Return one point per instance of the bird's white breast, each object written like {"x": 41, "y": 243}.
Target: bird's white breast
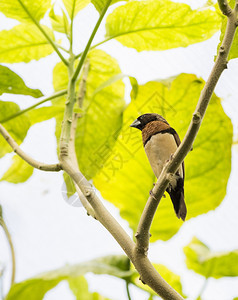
{"x": 159, "y": 149}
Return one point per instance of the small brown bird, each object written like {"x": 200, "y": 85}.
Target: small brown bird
{"x": 160, "y": 142}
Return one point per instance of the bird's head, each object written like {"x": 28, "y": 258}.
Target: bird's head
{"x": 144, "y": 119}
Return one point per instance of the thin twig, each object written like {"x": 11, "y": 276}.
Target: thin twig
{"x": 85, "y": 52}
{"x": 128, "y": 291}
{"x": 220, "y": 65}
{"x": 21, "y": 112}
{"x": 34, "y": 163}
{"x": 9, "y": 239}
{"x": 48, "y": 38}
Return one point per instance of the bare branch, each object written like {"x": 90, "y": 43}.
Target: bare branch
{"x": 142, "y": 234}
{"x": 34, "y": 163}
{"x": 73, "y": 159}
{"x": 148, "y": 273}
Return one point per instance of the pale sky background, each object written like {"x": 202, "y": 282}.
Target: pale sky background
{"x": 48, "y": 233}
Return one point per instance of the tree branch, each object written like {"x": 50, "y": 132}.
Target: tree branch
{"x": 224, "y": 7}
{"x": 34, "y": 163}
{"x": 48, "y": 38}
{"x": 171, "y": 167}
{"x": 74, "y": 161}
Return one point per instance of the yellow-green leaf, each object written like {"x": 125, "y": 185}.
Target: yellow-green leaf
{"x": 15, "y": 9}
{"x": 79, "y": 287}
{"x": 74, "y": 6}
{"x": 203, "y": 261}
{"x": 102, "y": 111}
{"x": 24, "y": 43}
{"x": 59, "y": 23}
{"x": 11, "y": 83}
{"x": 18, "y": 172}
{"x": 17, "y": 127}
{"x": 207, "y": 167}
{"x": 160, "y": 25}
{"x": 36, "y": 287}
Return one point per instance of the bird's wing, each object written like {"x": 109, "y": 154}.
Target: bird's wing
{"x": 178, "y": 142}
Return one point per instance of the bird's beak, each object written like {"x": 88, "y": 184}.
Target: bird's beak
{"x": 135, "y": 124}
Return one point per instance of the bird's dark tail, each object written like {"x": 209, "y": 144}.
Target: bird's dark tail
{"x": 177, "y": 197}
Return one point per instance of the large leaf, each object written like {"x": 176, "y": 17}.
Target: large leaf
{"x": 19, "y": 171}
{"x": 11, "y": 83}
{"x": 35, "y": 288}
{"x": 79, "y": 287}
{"x": 234, "y": 47}
{"x": 160, "y": 25}
{"x": 169, "y": 276}
{"x": 127, "y": 178}
{"x": 23, "y": 43}
{"x": 203, "y": 261}
{"x": 101, "y": 118}
{"x": 13, "y": 9}
{"x": 17, "y": 127}
{"x": 74, "y": 6}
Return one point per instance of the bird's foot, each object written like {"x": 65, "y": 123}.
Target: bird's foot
{"x": 152, "y": 195}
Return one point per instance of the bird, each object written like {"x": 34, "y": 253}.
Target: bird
{"x": 160, "y": 142}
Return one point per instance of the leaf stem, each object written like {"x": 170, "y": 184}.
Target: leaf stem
{"x": 128, "y": 291}
{"x": 202, "y": 289}
{"x": 71, "y": 27}
{"x": 9, "y": 239}
{"x": 48, "y": 38}
{"x": 85, "y": 52}
{"x": 21, "y": 112}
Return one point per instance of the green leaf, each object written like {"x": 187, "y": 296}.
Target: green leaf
{"x": 169, "y": 276}
{"x": 74, "y": 6}
{"x": 234, "y": 47}
{"x": 19, "y": 171}
{"x": 160, "y": 25}
{"x": 101, "y": 119}
{"x": 13, "y": 9}
{"x": 79, "y": 287}
{"x": 59, "y": 23}
{"x": 46, "y": 113}
{"x": 11, "y": 83}
{"x": 24, "y": 43}
{"x": 17, "y": 127}
{"x": 203, "y": 261}
{"x": 207, "y": 167}
{"x": 99, "y": 4}
{"x": 98, "y": 128}
{"x": 36, "y": 287}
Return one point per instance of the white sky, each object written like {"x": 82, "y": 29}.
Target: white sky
{"x": 48, "y": 233}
